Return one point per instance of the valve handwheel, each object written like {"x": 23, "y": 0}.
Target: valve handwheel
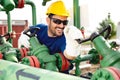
{"x": 108, "y": 73}
{"x": 36, "y": 61}
{"x": 23, "y": 52}
{"x": 33, "y": 61}
{"x": 65, "y": 63}
{"x": 95, "y": 34}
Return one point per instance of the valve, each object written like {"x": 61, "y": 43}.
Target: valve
{"x": 8, "y": 5}
{"x": 3, "y": 42}
{"x": 7, "y": 51}
{"x": 108, "y": 73}
{"x": 41, "y": 52}
{"x": 110, "y": 57}
{"x": 23, "y": 53}
{"x": 95, "y": 58}
{"x": 32, "y": 61}
{"x": 47, "y": 61}
{"x": 62, "y": 63}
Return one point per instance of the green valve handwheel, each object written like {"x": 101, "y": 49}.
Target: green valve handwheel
{"x": 109, "y": 73}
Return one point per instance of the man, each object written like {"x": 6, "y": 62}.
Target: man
{"x": 52, "y": 34}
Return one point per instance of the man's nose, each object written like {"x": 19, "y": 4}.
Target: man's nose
{"x": 61, "y": 25}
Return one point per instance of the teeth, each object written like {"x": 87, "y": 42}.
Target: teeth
{"x": 59, "y": 29}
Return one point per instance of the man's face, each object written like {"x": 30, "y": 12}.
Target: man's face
{"x": 56, "y": 25}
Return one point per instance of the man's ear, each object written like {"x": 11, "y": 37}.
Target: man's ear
{"x": 48, "y": 20}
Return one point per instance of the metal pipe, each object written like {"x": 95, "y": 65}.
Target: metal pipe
{"x": 16, "y": 71}
{"x": 76, "y": 13}
{"x": 8, "y": 5}
{"x": 9, "y": 21}
{"x": 33, "y": 11}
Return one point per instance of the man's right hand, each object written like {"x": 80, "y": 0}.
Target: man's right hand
{"x": 23, "y": 41}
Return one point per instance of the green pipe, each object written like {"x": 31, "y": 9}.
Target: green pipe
{"x": 33, "y": 11}
{"x": 8, "y": 5}
{"x": 9, "y": 23}
{"x": 86, "y": 57}
{"x": 44, "y": 2}
{"x": 78, "y": 60}
{"x": 16, "y": 71}
{"x": 102, "y": 46}
{"x": 76, "y": 13}
{"x": 42, "y": 53}
{"x": 110, "y": 56}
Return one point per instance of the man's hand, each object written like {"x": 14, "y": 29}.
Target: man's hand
{"x": 23, "y": 41}
{"x": 69, "y": 57}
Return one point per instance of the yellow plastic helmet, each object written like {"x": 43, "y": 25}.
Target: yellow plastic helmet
{"x": 57, "y": 8}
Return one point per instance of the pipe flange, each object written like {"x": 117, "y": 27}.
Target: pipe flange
{"x": 21, "y": 3}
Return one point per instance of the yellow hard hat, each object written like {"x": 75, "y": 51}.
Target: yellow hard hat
{"x": 57, "y": 8}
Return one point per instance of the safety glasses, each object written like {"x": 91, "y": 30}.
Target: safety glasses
{"x": 58, "y": 21}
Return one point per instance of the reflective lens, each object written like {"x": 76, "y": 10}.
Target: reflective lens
{"x": 58, "y": 21}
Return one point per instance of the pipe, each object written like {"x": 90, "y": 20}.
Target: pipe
{"x": 9, "y": 21}
{"x": 16, "y": 71}
{"x": 76, "y": 13}
{"x": 8, "y": 5}
{"x": 33, "y": 11}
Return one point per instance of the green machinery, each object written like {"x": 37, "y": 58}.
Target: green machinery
{"x": 15, "y": 71}
{"x": 34, "y": 57}
{"x": 7, "y": 52}
{"x": 37, "y": 55}
{"x": 41, "y": 52}
{"x": 110, "y": 68}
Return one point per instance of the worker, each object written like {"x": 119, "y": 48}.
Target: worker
{"x": 52, "y": 34}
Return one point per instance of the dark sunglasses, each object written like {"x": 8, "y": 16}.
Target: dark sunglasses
{"x": 58, "y": 21}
